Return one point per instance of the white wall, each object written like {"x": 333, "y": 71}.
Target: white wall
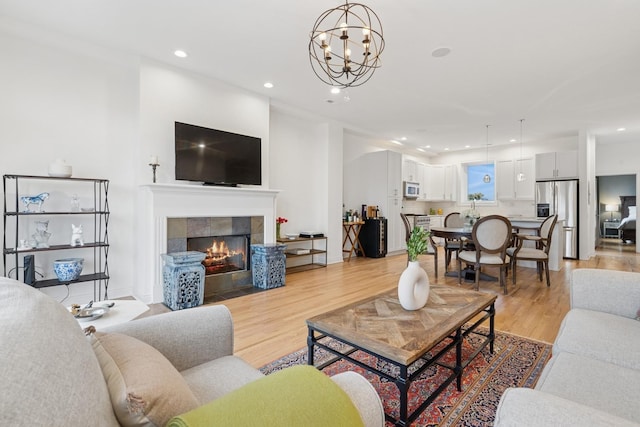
{"x": 169, "y": 94}
{"x": 106, "y": 113}
{"x": 60, "y": 102}
{"x": 306, "y": 165}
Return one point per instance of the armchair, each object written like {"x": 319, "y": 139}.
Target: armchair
{"x": 54, "y": 375}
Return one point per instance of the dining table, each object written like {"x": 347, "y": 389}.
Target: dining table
{"x": 460, "y": 233}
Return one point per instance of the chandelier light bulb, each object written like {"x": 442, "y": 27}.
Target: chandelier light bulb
{"x": 486, "y": 178}
{"x": 322, "y": 36}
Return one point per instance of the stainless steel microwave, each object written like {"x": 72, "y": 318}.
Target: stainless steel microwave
{"x": 411, "y": 190}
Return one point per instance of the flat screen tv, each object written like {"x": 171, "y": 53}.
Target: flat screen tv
{"x": 216, "y": 157}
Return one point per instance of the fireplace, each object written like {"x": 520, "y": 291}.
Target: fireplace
{"x": 227, "y": 242}
{"x": 224, "y": 254}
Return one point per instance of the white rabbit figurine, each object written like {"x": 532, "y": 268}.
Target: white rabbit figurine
{"x": 76, "y": 235}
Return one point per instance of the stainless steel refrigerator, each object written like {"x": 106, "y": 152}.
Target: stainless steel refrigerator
{"x": 561, "y": 197}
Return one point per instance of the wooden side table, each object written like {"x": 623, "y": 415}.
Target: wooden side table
{"x": 352, "y": 233}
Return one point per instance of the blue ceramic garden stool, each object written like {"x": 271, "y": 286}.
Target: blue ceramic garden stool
{"x": 183, "y": 279}
{"x": 268, "y": 264}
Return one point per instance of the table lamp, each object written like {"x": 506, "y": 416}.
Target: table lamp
{"x": 612, "y": 209}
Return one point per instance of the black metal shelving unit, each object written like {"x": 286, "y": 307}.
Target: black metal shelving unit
{"x": 14, "y": 219}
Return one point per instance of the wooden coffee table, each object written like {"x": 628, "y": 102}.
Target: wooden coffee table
{"x": 381, "y": 327}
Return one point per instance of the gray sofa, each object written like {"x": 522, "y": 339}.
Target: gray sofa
{"x": 593, "y": 377}
{"x": 51, "y": 375}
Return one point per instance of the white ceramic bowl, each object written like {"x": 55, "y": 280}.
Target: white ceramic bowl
{"x": 60, "y": 169}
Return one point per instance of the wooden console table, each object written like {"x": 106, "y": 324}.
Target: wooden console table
{"x": 352, "y": 233}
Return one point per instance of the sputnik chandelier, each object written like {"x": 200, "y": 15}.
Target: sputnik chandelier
{"x": 345, "y": 46}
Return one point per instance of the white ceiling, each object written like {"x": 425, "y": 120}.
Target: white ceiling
{"x": 562, "y": 65}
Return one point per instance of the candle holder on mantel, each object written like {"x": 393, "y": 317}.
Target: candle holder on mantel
{"x": 154, "y": 166}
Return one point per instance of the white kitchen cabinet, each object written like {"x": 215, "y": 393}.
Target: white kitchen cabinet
{"x": 558, "y": 165}
{"x": 507, "y": 185}
{"x": 410, "y": 170}
{"x": 437, "y": 221}
{"x": 450, "y": 183}
{"x": 395, "y": 226}
{"x": 434, "y": 177}
{"x": 421, "y": 179}
{"x": 441, "y": 183}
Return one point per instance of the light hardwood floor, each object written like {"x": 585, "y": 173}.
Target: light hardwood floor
{"x": 271, "y": 324}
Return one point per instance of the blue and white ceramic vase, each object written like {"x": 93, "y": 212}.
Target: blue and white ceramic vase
{"x": 413, "y": 287}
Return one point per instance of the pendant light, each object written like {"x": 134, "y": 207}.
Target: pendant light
{"x": 521, "y": 176}
{"x": 487, "y": 178}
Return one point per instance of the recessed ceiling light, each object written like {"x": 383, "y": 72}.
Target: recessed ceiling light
{"x": 440, "y": 52}
{"x": 180, "y": 53}
{"x": 396, "y": 142}
{"x": 335, "y": 90}
{"x": 427, "y": 146}
{"x": 446, "y": 149}
{"x": 512, "y": 140}
{"x": 621, "y": 129}
{"x": 420, "y": 149}
{"x": 467, "y": 146}
{"x": 268, "y": 85}
{"x": 404, "y": 138}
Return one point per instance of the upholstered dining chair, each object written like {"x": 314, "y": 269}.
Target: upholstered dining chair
{"x": 491, "y": 236}
{"x": 432, "y": 248}
{"x": 539, "y": 253}
{"x": 452, "y": 245}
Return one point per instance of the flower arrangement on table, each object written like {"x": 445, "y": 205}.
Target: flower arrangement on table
{"x": 471, "y": 215}
{"x": 280, "y": 220}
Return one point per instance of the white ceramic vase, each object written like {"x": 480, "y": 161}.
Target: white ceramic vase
{"x": 413, "y": 287}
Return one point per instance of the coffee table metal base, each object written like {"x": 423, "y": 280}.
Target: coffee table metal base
{"x": 403, "y": 380}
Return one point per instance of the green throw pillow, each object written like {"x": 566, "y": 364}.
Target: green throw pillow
{"x": 296, "y": 396}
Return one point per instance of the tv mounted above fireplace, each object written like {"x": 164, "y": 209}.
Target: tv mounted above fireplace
{"x": 216, "y": 157}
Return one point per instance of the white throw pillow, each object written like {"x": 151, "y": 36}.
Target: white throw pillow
{"x": 632, "y": 212}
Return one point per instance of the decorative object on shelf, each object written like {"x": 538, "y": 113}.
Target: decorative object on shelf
{"x": 24, "y": 245}
{"x": 34, "y": 200}
{"x": 520, "y": 177}
{"x": 41, "y": 236}
{"x": 68, "y": 269}
{"x": 487, "y": 178}
{"x": 60, "y": 169}
{"x": 345, "y": 46}
{"x": 75, "y": 203}
{"x": 413, "y": 286}
{"x": 76, "y": 235}
{"x": 183, "y": 279}
{"x": 154, "y": 164}
{"x": 279, "y": 221}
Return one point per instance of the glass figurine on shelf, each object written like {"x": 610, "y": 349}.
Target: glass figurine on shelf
{"x": 75, "y": 203}
{"x": 41, "y": 236}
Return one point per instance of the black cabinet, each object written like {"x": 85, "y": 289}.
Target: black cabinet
{"x": 373, "y": 237}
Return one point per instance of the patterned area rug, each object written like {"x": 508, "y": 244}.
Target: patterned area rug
{"x": 516, "y": 362}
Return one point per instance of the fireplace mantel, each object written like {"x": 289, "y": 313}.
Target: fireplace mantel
{"x": 157, "y": 202}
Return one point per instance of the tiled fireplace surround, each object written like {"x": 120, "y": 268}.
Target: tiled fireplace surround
{"x": 159, "y": 204}
{"x": 180, "y": 229}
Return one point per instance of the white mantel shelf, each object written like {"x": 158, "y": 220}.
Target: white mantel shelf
{"x": 158, "y": 202}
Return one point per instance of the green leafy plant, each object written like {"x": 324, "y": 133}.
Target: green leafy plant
{"x": 417, "y": 243}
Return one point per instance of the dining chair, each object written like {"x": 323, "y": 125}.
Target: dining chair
{"x": 453, "y": 220}
{"x": 432, "y": 248}
{"x": 491, "y": 235}
{"x": 539, "y": 253}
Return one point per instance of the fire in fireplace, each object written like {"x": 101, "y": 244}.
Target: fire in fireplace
{"x": 224, "y": 254}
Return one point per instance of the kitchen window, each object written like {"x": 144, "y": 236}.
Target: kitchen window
{"x": 475, "y": 187}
